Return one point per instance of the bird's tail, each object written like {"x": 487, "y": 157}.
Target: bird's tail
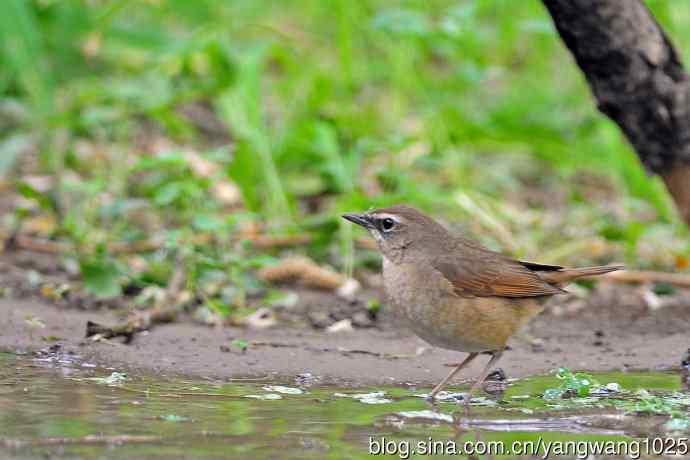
{"x": 567, "y": 275}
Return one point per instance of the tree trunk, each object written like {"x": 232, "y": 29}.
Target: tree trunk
{"x": 637, "y": 79}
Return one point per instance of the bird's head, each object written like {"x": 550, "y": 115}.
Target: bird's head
{"x": 401, "y": 231}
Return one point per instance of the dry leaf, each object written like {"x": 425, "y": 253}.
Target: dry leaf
{"x": 227, "y": 193}
{"x": 201, "y": 166}
{"x": 349, "y": 289}
{"x": 304, "y": 271}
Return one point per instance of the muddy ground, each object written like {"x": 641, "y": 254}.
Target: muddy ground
{"x": 611, "y": 330}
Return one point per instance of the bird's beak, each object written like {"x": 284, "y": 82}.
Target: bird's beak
{"x": 360, "y": 219}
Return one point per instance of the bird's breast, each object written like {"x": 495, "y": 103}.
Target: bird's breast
{"x": 425, "y": 301}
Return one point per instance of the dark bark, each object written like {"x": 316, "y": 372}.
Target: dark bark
{"x": 637, "y": 79}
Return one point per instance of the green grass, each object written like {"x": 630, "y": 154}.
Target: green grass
{"x": 471, "y": 110}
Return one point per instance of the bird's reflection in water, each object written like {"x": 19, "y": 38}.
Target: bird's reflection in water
{"x": 496, "y": 384}
{"x": 494, "y": 388}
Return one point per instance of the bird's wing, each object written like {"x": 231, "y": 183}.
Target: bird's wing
{"x": 541, "y": 267}
{"x": 475, "y": 271}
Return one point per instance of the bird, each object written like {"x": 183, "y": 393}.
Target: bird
{"x": 455, "y": 293}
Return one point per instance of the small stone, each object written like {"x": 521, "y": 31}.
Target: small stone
{"x": 569, "y": 393}
{"x": 283, "y": 390}
{"x": 319, "y": 319}
{"x": 348, "y": 289}
{"x": 362, "y": 319}
{"x": 613, "y": 387}
{"x": 344, "y": 325}
{"x": 267, "y": 396}
{"x": 686, "y": 359}
{"x": 306, "y": 379}
{"x": 262, "y": 318}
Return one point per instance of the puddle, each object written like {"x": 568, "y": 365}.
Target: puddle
{"x": 57, "y": 406}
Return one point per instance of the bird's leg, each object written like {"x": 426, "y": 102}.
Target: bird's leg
{"x": 495, "y": 356}
{"x": 457, "y": 369}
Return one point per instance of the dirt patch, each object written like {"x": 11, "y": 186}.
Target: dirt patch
{"x": 611, "y": 327}
{"x": 592, "y": 339}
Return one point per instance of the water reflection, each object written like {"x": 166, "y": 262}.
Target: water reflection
{"x": 54, "y": 405}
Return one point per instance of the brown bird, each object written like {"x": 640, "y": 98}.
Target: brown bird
{"x": 453, "y": 292}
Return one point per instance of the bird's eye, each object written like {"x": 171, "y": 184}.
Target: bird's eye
{"x": 387, "y": 224}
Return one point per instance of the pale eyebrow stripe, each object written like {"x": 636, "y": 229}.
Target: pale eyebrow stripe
{"x": 384, "y": 215}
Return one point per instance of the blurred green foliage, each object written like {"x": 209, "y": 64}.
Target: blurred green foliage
{"x": 472, "y": 110}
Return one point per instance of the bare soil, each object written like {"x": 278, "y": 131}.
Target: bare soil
{"x": 597, "y": 335}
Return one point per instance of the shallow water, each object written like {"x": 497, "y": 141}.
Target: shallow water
{"x": 54, "y": 406}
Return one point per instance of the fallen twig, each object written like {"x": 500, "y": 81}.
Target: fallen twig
{"x": 258, "y": 343}
{"x": 35, "y": 244}
{"x": 137, "y": 322}
{"x": 348, "y": 352}
{"x": 305, "y": 271}
{"x": 164, "y": 311}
